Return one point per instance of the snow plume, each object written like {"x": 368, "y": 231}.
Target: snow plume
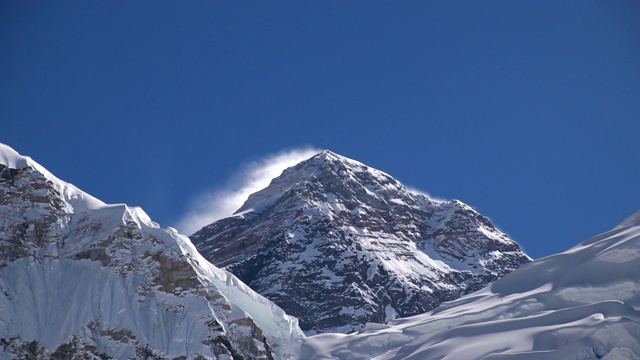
{"x": 251, "y": 177}
{"x": 420, "y": 192}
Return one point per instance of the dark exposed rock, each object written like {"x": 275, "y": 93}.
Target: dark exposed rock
{"x": 33, "y": 211}
{"x": 174, "y": 276}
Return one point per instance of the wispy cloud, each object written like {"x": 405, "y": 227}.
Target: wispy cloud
{"x": 251, "y": 177}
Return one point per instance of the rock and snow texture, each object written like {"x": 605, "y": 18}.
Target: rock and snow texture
{"x": 580, "y": 304}
{"x": 339, "y": 244}
{"x": 80, "y": 278}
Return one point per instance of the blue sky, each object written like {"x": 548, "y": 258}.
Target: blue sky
{"x": 529, "y": 111}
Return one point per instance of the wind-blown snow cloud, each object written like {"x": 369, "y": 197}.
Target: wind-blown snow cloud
{"x": 418, "y": 191}
{"x": 223, "y": 202}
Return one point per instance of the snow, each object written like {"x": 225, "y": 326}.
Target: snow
{"x": 623, "y": 291}
{"x": 11, "y": 158}
{"x": 580, "y": 304}
{"x": 390, "y": 313}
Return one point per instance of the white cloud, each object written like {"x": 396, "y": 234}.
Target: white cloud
{"x": 223, "y": 202}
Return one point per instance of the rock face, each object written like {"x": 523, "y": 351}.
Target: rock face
{"x": 82, "y": 279}
{"x": 338, "y": 244}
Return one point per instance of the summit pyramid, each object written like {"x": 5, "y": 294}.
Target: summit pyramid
{"x": 338, "y": 244}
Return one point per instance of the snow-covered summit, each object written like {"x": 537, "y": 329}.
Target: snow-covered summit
{"x": 583, "y": 303}
{"x": 338, "y": 244}
{"x": 82, "y": 278}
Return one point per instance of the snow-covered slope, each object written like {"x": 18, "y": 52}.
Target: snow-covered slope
{"x": 580, "y": 304}
{"x": 82, "y": 278}
{"x": 338, "y": 244}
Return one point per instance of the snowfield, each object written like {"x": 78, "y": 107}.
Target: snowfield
{"x": 580, "y": 304}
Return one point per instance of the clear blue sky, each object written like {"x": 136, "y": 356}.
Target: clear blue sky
{"x": 527, "y": 110}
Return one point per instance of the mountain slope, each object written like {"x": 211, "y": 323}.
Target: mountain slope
{"x": 338, "y": 244}
{"x": 580, "y": 304}
{"x": 82, "y": 278}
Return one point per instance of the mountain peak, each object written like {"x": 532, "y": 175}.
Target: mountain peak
{"x": 327, "y": 153}
{"x": 332, "y": 226}
{"x": 325, "y": 157}
{"x": 330, "y": 156}
{"x": 327, "y": 170}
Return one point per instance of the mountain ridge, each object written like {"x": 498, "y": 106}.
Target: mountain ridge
{"x": 83, "y": 278}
